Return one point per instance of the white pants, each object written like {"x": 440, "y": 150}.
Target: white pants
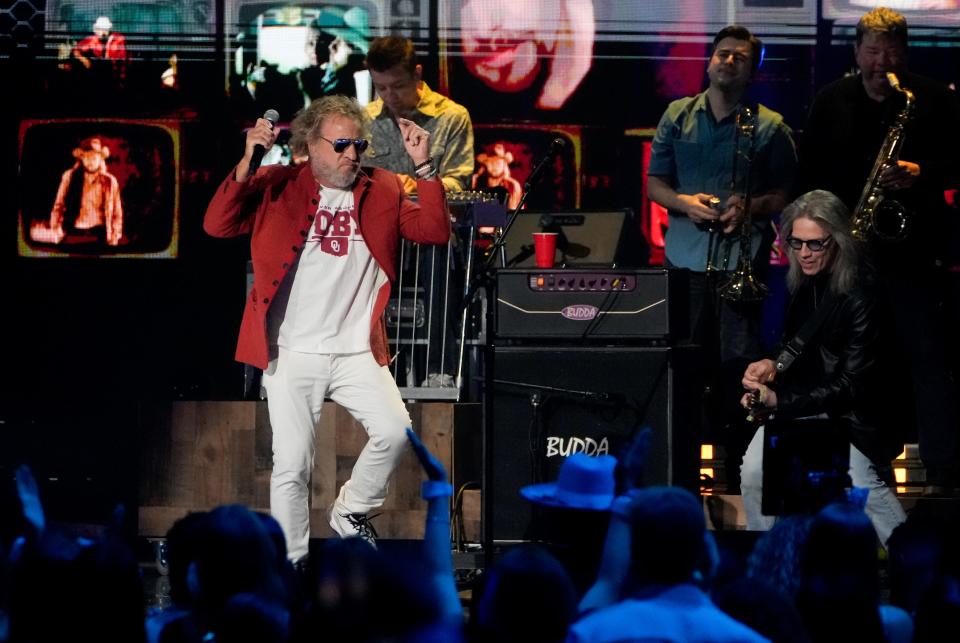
{"x": 882, "y": 508}
{"x": 296, "y": 385}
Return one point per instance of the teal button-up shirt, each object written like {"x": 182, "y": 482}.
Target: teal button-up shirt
{"x": 694, "y": 153}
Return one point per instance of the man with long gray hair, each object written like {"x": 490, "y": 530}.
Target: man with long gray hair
{"x": 840, "y": 368}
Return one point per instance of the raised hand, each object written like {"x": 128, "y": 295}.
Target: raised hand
{"x": 436, "y": 533}
{"x": 633, "y": 461}
{"x": 615, "y": 559}
{"x": 428, "y": 461}
{"x": 416, "y": 140}
{"x": 263, "y": 133}
{"x": 29, "y": 494}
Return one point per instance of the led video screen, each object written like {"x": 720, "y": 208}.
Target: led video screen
{"x": 507, "y": 155}
{"x": 99, "y": 188}
{"x": 282, "y": 55}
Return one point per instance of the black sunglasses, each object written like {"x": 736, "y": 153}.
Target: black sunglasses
{"x": 341, "y": 144}
{"x": 815, "y": 245}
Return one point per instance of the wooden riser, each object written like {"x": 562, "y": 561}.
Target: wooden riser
{"x": 195, "y": 456}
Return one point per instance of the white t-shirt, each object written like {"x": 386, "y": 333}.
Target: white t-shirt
{"x": 325, "y": 302}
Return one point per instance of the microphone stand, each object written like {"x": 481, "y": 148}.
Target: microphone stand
{"x": 484, "y": 274}
{"x": 485, "y": 278}
{"x": 531, "y": 181}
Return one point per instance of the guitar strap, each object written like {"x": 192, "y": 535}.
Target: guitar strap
{"x": 795, "y": 346}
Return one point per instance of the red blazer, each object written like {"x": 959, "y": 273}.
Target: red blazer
{"x": 278, "y": 205}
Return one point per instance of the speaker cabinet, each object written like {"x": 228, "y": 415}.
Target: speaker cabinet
{"x": 550, "y": 402}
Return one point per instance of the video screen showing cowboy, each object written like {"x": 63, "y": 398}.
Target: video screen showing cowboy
{"x": 87, "y": 208}
{"x": 98, "y": 188}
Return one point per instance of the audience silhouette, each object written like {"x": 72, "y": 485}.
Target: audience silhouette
{"x": 810, "y": 578}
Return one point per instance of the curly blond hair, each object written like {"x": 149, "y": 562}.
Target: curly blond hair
{"x": 308, "y": 122}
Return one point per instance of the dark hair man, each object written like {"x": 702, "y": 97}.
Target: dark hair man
{"x": 690, "y": 173}
{"x": 402, "y": 93}
{"x": 398, "y": 81}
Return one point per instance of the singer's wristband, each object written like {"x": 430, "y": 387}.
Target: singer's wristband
{"x": 431, "y": 489}
{"x": 428, "y": 175}
{"x": 424, "y": 164}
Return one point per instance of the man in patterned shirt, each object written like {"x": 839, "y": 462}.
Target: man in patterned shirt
{"x": 398, "y": 80}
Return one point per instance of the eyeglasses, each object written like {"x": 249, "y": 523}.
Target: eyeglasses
{"x": 341, "y": 144}
{"x": 814, "y": 245}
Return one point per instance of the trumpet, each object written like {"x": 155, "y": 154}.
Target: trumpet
{"x": 876, "y": 215}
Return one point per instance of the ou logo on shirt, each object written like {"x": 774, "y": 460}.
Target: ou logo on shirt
{"x": 333, "y": 231}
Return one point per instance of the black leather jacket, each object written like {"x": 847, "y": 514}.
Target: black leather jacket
{"x": 847, "y": 370}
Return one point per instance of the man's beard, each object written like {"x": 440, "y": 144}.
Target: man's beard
{"x": 337, "y": 177}
{"x": 728, "y": 84}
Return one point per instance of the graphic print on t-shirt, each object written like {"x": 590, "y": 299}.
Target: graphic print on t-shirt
{"x": 334, "y": 228}
{"x": 326, "y": 300}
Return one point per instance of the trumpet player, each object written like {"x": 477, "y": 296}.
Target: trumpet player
{"x": 850, "y": 122}
{"x": 691, "y": 175}
{"x": 841, "y": 371}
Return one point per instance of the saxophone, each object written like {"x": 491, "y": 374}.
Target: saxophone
{"x": 876, "y": 215}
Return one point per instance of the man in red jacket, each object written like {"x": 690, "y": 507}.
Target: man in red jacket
{"x": 325, "y": 240}
{"x": 105, "y": 50}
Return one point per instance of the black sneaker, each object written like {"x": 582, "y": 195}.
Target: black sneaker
{"x": 350, "y": 525}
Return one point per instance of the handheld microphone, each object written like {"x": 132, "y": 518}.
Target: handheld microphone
{"x": 556, "y": 145}
{"x": 258, "y": 150}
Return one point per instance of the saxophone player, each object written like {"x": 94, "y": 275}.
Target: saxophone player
{"x": 848, "y": 124}
{"x": 690, "y": 166}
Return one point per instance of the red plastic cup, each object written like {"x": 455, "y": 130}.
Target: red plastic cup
{"x": 545, "y": 248}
